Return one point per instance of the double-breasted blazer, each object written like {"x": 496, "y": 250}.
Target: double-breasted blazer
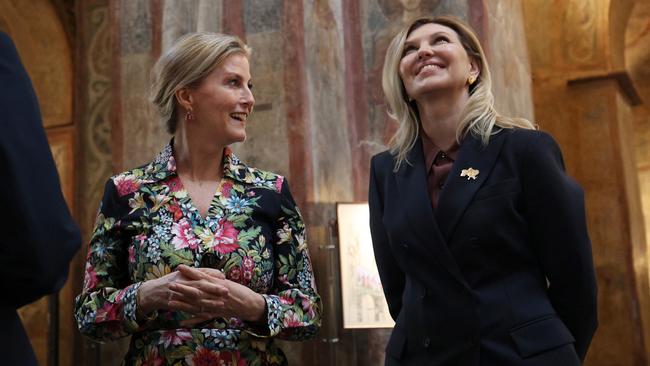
{"x": 39, "y": 236}
{"x": 501, "y": 272}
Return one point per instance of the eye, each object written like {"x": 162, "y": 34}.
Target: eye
{"x": 441, "y": 40}
{"x": 408, "y": 50}
{"x": 250, "y": 85}
{"x": 233, "y": 82}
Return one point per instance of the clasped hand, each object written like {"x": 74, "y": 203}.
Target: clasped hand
{"x": 203, "y": 292}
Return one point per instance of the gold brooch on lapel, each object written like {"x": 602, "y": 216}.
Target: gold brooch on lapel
{"x": 470, "y": 173}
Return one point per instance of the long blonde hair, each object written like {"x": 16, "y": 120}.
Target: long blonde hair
{"x": 187, "y": 63}
{"x": 478, "y": 117}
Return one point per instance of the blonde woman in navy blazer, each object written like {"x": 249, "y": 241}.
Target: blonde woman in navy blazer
{"x": 482, "y": 249}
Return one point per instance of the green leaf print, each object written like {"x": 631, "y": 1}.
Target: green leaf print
{"x": 176, "y": 256}
{"x": 245, "y": 236}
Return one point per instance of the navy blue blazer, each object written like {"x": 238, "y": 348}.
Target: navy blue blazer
{"x": 501, "y": 273}
{"x": 38, "y": 236}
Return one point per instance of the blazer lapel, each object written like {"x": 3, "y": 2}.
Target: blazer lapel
{"x": 412, "y": 183}
{"x": 460, "y": 188}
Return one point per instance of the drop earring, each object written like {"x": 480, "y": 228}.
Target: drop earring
{"x": 189, "y": 116}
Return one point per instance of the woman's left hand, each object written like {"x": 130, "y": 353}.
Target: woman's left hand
{"x": 240, "y": 301}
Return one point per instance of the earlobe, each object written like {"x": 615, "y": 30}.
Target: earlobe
{"x": 474, "y": 73}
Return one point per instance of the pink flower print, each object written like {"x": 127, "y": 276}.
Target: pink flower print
{"x": 184, "y": 236}
{"x": 171, "y": 164}
{"x": 286, "y": 299}
{"x": 108, "y": 312}
{"x": 234, "y": 274}
{"x": 174, "y": 184}
{"x": 225, "y": 239}
{"x": 120, "y": 294}
{"x": 251, "y": 194}
{"x": 126, "y": 184}
{"x": 206, "y": 357}
{"x": 248, "y": 275}
{"x": 291, "y": 319}
{"x": 278, "y": 183}
{"x": 131, "y": 254}
{"x": 248, "y": 263}
{"x": 175, "y": 337}
{"x": 225, "y": 189}
{"x": 90, "y": 278}
{"x": 307, "y": 306}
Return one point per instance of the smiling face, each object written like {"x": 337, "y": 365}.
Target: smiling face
{"x": 434, "y": 60}
{"x": 223, "y": 101}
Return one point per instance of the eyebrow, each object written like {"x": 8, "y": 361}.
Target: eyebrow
{"x": 229, "y": 74}
{"x": 434, "y": 35}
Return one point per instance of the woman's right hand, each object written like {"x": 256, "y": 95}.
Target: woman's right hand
{"x": 157, "y": 294}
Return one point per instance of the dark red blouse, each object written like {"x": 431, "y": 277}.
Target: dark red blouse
{"x": 437, "y": 164}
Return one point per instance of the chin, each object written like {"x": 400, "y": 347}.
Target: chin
{"x": 432, "y": 88}
{"x": 237, "y": 138}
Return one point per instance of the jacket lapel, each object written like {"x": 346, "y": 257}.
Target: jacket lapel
{"x": 460, "y": 188}
{"x": 412, "y": 183}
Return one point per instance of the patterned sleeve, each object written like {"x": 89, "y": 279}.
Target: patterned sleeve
{"x": 106, "y": 307}
{"x": 293, "y": 305}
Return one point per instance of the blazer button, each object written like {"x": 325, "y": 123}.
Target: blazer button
{"x": 405, "y": 246}
{"x": 427, "y": 342}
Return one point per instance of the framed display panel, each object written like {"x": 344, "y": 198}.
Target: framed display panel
{"x": 364, "y": 305}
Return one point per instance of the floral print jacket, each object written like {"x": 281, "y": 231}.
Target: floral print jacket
{"x": 253, "y": 232}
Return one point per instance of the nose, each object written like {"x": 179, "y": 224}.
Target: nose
{"x": 247, "y": 98}
{"x": 425, "y": 52}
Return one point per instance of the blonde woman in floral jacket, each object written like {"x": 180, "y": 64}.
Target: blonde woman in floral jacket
{"x": 202, "y": 259}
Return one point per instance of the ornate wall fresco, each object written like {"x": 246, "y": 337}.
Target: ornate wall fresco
{"x": 267, "y": 125}
{"x": 508, "y": 57}
{"x": 381, "y": 20}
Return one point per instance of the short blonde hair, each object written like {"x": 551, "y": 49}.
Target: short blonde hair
{"x": 478, "y": 117}
{"x": 186, "y": 63}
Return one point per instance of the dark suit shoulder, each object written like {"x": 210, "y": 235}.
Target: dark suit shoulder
{"x": 383, "y": 157}
{"x": 521, "y": 136}
{"x": 526, "y": 143}
{"x": 382, "y": 162}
